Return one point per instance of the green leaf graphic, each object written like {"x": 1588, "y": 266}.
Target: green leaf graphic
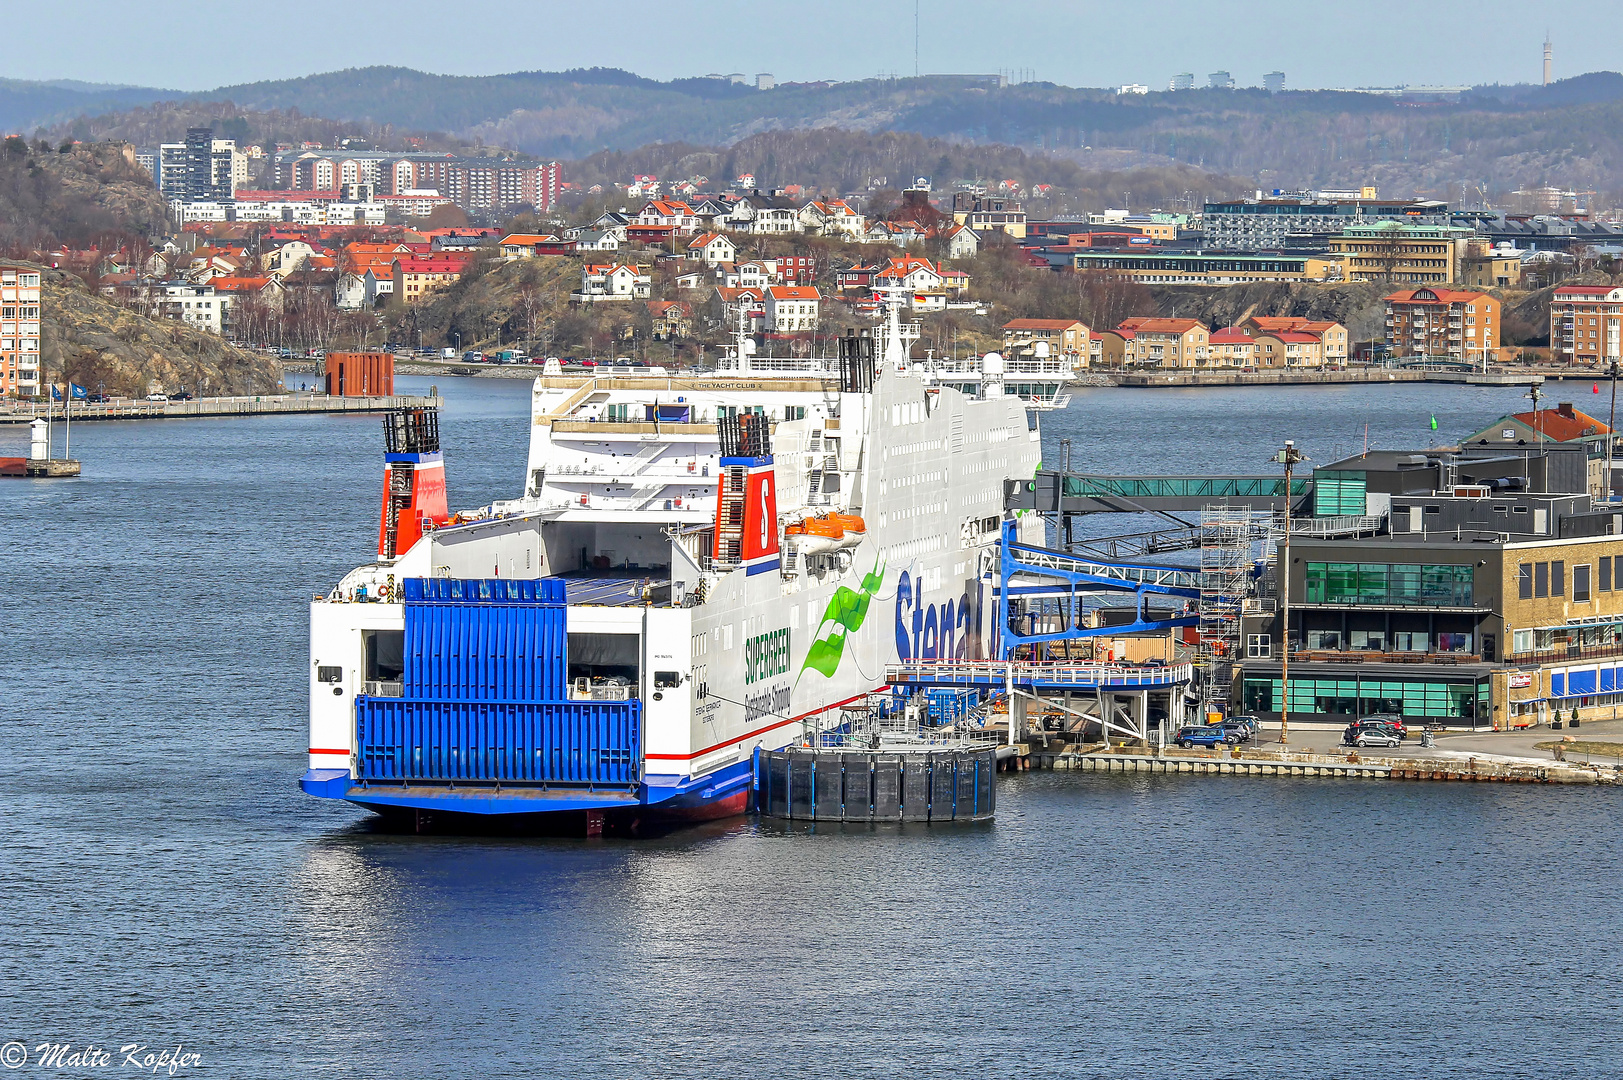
{"x": 846, "y": 611}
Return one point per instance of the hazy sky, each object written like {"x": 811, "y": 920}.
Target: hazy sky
{"x": 195, "y": 45}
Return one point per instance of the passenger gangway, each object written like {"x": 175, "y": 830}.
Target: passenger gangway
{"x": 1052, "y": 676}
{"x": 1077, "y": 493}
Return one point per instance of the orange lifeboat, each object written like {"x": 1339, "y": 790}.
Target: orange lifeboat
{"x": 825, "y": 533}
{"x": 815, "y": 535}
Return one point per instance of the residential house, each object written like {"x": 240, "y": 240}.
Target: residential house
{"x": 1443, "y": 323}
{"x": 600, "y": 240}
{"x": 754, "y": 274}
{"x": 1586, "y": 324}
{"x": 712, "y": 248}
{"x": 531, "y": 245}
{"x": 759, "y": 213}
{"x": 1152, "y": 342}
{"x": 713, "y": 213}
{"x": 734, "y": 304}
{"x": 856, "y": 277}
{"x": 1289, "y": 348}
{"x": 1231, "y": 348}
{"x": 612, "y": 281}
{"x": 672, "y": 319}
{"x": 831, "y": 217}
{"x": 919, "y": 280}
{"x": 1333, "y": 341}
{"x": 1021, "y": 337}
{"x": 961, "y": 242}
{"x": 791, "y": 309}
{"x": 669, "y": 214}
{"x": 417, "y": 275}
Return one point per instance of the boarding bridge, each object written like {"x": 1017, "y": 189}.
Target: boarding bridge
{"x": 1058, "y": 580}
{"x": 1074, "y": 493}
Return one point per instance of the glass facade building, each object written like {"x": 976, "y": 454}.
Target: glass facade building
{"x": 1364, "y": 696}
{"x": 1389, "y": 584}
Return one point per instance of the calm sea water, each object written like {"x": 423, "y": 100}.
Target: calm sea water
{"x": 167, "y": 883}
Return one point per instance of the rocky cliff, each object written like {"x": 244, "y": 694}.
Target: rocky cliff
{"x": 103, "y": 345}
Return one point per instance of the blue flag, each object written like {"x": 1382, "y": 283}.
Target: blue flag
{"x": 78, "y": 391}
{"x": 56, "y": 392}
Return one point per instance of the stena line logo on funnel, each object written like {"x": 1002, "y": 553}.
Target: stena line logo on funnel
{"x": 928, "y": 629}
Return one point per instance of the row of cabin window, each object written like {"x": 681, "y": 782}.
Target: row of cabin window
{"x": 1543, "y": 579}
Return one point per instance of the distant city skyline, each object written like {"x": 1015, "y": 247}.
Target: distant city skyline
{"x": 1376, "y": 43}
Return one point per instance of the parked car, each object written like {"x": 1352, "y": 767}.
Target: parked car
{"x": 1393, "y": 720}
{"x": 182, "y": 396}
{"x": 472, "y": 357}
{"x": 1382, "y": 727}
{"x": 1251, "y": 723}
{"x": 97, "y": 397}
{"x": 1243, "y": 732}
{"x": 1376, "y": 735}
{"x": 1205, "y": 735}
{"x": 157, "y": 397}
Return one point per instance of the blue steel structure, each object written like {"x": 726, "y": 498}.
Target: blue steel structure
{"x": 1081, "y": 575}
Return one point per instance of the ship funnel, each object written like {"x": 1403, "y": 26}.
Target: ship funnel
{"x": 747, "y": 495}
{"x": 413, "y": 479}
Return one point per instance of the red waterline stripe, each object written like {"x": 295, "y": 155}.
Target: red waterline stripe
{"x": 318, "y": 750}
{"x": 760, "y": 731}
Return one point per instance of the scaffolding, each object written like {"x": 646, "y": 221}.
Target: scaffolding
{"x": 1230, "y": 537}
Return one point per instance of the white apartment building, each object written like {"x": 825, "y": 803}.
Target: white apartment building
{"x": 194, "y": 305}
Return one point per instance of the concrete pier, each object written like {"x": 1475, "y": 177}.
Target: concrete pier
{"x": 1271, "y": 763}
{"x": 257, "y": 405}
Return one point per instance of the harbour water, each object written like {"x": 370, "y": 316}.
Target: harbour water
{"x": 167, "y": 883}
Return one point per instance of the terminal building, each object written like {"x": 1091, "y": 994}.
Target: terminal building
{"x": 1483, "y": 587}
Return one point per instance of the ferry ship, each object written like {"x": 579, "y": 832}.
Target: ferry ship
{"x": 697, "y": 567}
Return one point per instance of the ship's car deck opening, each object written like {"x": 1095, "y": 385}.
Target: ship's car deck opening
{"x": 604, "y": 666}
{"x": 385, "y": 655}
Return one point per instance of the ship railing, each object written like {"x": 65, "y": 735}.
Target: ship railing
{"x": 382, "y": 688}
{"x": 985, "y": 672}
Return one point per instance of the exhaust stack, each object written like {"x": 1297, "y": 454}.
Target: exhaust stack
{"x": 747, "y": 495}
{"x": 413, "y": 479}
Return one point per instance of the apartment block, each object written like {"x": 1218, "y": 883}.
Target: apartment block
{"x": 19, "y": 331}
{"x": 1586, "y": 324}
{"x": 1443, "y": 323}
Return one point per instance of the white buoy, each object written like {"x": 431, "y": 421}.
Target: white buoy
{"x": 39, "y": 447}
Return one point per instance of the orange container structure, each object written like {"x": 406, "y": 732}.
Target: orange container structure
{"x": 360, "y": 374}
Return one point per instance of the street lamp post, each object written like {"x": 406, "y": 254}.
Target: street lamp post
{"x": 1611, "y": 429}
{"x": 1289, "y": 457}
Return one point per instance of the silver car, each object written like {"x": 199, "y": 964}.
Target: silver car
{"x": 1374, "y": 736}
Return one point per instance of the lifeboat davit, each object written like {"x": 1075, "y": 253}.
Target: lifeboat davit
{"x": 825, "y": 533}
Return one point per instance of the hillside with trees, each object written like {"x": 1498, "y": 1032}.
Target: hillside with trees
{"x": 838, "y": 160}
{"x": 109, "y": 347}
{"x": 79, "y": 195}
{"x": 1488, "y": 143}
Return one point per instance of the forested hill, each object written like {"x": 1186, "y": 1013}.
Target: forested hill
{"x": 1496, "y": 139}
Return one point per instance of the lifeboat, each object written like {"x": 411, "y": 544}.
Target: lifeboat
{"x": 825, "y": 533}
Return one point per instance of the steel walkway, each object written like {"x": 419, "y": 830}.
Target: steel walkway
{"x": 1076, "y": 493}
{"x": 1031, "y": 677}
